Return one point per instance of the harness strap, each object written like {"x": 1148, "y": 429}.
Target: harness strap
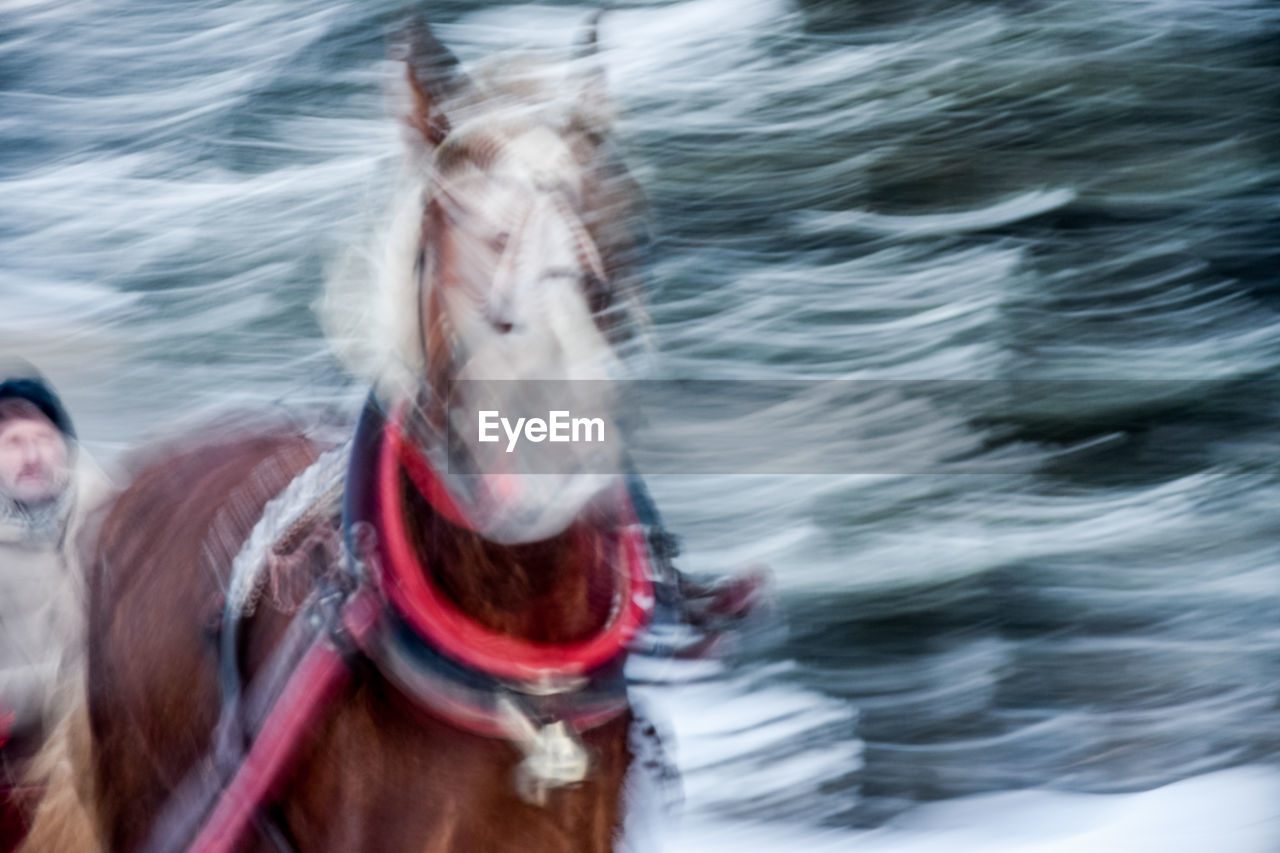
{"x": 308, "y": 496}
{"x": 320, "y": 676}
{"x": 279, "y": 703}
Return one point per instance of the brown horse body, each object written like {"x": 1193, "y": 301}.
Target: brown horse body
{"x": 380, "y": 773}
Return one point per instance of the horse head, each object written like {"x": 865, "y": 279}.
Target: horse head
{"x": 521, "y": 285}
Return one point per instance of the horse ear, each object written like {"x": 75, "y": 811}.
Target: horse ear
{"x": 594, "y": 110}
{"x": 434, "y": 75}
{"x": 588, "y": 42}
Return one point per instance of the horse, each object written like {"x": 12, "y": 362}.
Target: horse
{"x": 392, "y": 643}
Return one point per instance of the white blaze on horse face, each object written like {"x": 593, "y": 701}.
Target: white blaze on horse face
{"x": 513, "y": 262}
{"x": 512, "y": 265}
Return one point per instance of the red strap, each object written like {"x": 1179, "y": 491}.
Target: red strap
{"x": 320, "y": 676}
{"x": 406, "y": 583}
{"x": 425, "y": 479}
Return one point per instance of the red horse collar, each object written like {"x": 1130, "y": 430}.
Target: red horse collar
{"x": 429, "y": 612}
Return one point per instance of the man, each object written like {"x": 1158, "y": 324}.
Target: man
{"x": 45, "y": 491}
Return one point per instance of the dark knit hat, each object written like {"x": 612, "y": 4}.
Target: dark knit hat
{"x": 24, "y": 382}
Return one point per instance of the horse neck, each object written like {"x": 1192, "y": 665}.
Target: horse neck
{"x": 554, "y": 591}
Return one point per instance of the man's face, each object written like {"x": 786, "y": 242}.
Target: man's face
{"x": 33, "y": 460}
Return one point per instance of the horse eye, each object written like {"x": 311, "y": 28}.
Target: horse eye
{"x": 565, "y": 273}
{"x": 596, "y": 290}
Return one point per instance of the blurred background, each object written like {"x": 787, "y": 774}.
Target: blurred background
{"x": 1081, "y": 654}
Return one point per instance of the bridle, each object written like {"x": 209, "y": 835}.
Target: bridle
{"x": 420, "y": 610}
{"x": 545, "y": 198}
